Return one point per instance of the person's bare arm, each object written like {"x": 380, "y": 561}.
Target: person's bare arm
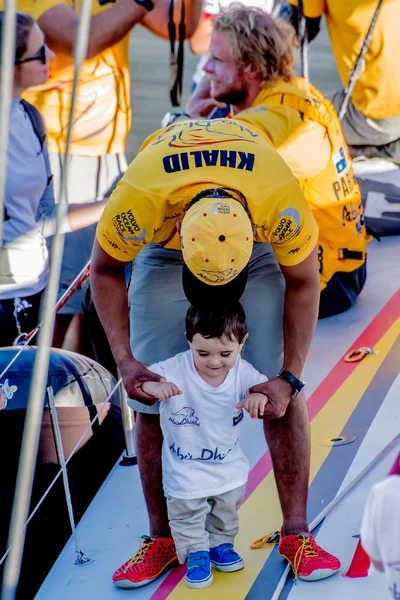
{"x": 200, "y": 40}
{"x": 77, "y": 216}
{"x": 157, "y": 20}
{"x": 200, "y": 103}
{"x": 60, "y": 24}
{"x": 254, "y": 404}
{"x": 299, "y": 321}
{"x": 301, "y": 311}
{"x": 110, "y": 297}
{"x": 82, "y": 215}
{"x": 161, "y": 390}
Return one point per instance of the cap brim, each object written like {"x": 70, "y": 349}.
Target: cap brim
{"x": 200, "y": 294}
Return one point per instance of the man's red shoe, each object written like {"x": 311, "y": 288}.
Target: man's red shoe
{"x": 152, "y": 558}
{"x": 308, "y": 560}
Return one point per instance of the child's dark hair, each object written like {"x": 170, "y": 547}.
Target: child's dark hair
{"x": 24, "y": 24}
{"x": 228, "y": 322}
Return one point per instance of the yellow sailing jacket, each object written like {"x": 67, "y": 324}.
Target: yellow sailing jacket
{"x": 174, "y": 164}
{"x": 333, "y": 192}
{"x": 102, "y": 117}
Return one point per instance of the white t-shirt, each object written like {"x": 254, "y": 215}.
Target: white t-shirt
{"x": 201, "y": 453}
{"x": 380, "y": 529}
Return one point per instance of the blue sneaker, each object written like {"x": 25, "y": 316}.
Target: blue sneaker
{"x": 224, "y": 558}
{"x": 199, "y": 570}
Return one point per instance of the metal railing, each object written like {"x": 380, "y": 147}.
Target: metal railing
{"x": 6, "y": 85}
{"x": 128, "y": 427}
{"x": 54, "y": 417}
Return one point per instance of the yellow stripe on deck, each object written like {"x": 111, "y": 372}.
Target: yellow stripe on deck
{"x": 261, "y": 512}
{"x": 329, "y": 422}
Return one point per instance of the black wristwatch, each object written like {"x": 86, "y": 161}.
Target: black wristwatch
{"x": 296, "y": 384}
{"x": 147, "y": 4}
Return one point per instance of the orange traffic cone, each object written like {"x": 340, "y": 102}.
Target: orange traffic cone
{"x": 359, "y": 566}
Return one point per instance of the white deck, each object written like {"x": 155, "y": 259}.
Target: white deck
{"x": 109, "y": 531}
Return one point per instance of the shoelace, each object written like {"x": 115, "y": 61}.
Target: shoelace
{"x": 306, "y": 548}
{"x": 145, "y": 543}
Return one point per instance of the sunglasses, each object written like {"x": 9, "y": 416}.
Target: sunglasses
{"x": 40, "y": 56}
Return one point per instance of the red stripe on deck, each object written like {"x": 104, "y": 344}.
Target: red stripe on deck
{"x": 332, "y": 382}
{"x": 169, "y": 583}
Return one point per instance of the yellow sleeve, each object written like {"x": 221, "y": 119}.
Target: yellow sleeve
{"x": 307, "y": 150}
{"x": 290, "y": 227}
{"x": 126, "y": 225}
{"x": 272, "y": 121}
{"x": 36, "y": 8}
{"x": 312, "y": 8}
{"x": 303, "y": 145}
{"x": 150, "y": 138}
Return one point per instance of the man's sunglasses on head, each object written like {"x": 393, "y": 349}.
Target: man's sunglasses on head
{"x": 41, "y": 55}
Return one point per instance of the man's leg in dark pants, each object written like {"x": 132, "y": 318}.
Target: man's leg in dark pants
{"x": 288, "y": 440}
{"x": 149, "y": 441}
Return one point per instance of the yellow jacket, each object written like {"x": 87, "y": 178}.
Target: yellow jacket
{"x": 304, "y": 128}
{"x": 102, "y": 116}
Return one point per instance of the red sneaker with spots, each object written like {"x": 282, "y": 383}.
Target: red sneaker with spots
{"x": 308, "y": 560}
{"x": 152, "y": 558}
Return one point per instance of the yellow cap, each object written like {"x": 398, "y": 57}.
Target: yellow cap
{"x": 216, "y": 240}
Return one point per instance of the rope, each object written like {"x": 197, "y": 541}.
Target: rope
{"x": 335, "y": 501}
{"x": 46, "y": 493}
{"x": 84, "y": 274}
{"x": 6, "y": 85}
{"x": 302, "y": 34}
{"x": 356, "y": 72}
{"x": 30, "y": 439}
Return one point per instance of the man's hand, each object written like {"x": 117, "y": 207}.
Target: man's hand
{"x": 254, "y": 404}
{"x": 161, "y": 390}
{"x": 134, "y": 374}
{"x": 200, "y": 103}
{"x": 279, "y": 394}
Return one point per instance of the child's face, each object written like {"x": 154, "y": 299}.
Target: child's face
{"x": 214, "y": 357}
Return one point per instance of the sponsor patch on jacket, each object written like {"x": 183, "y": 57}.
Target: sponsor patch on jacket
{"x": 288, "y": 226}
{"x": 339, "y": 160}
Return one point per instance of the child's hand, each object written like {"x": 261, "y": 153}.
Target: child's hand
{"x": 254, "y": 404}
{"x": 160, "y": 389}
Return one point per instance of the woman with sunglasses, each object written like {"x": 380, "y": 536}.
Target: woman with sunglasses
{"x": 29, "y": 211}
